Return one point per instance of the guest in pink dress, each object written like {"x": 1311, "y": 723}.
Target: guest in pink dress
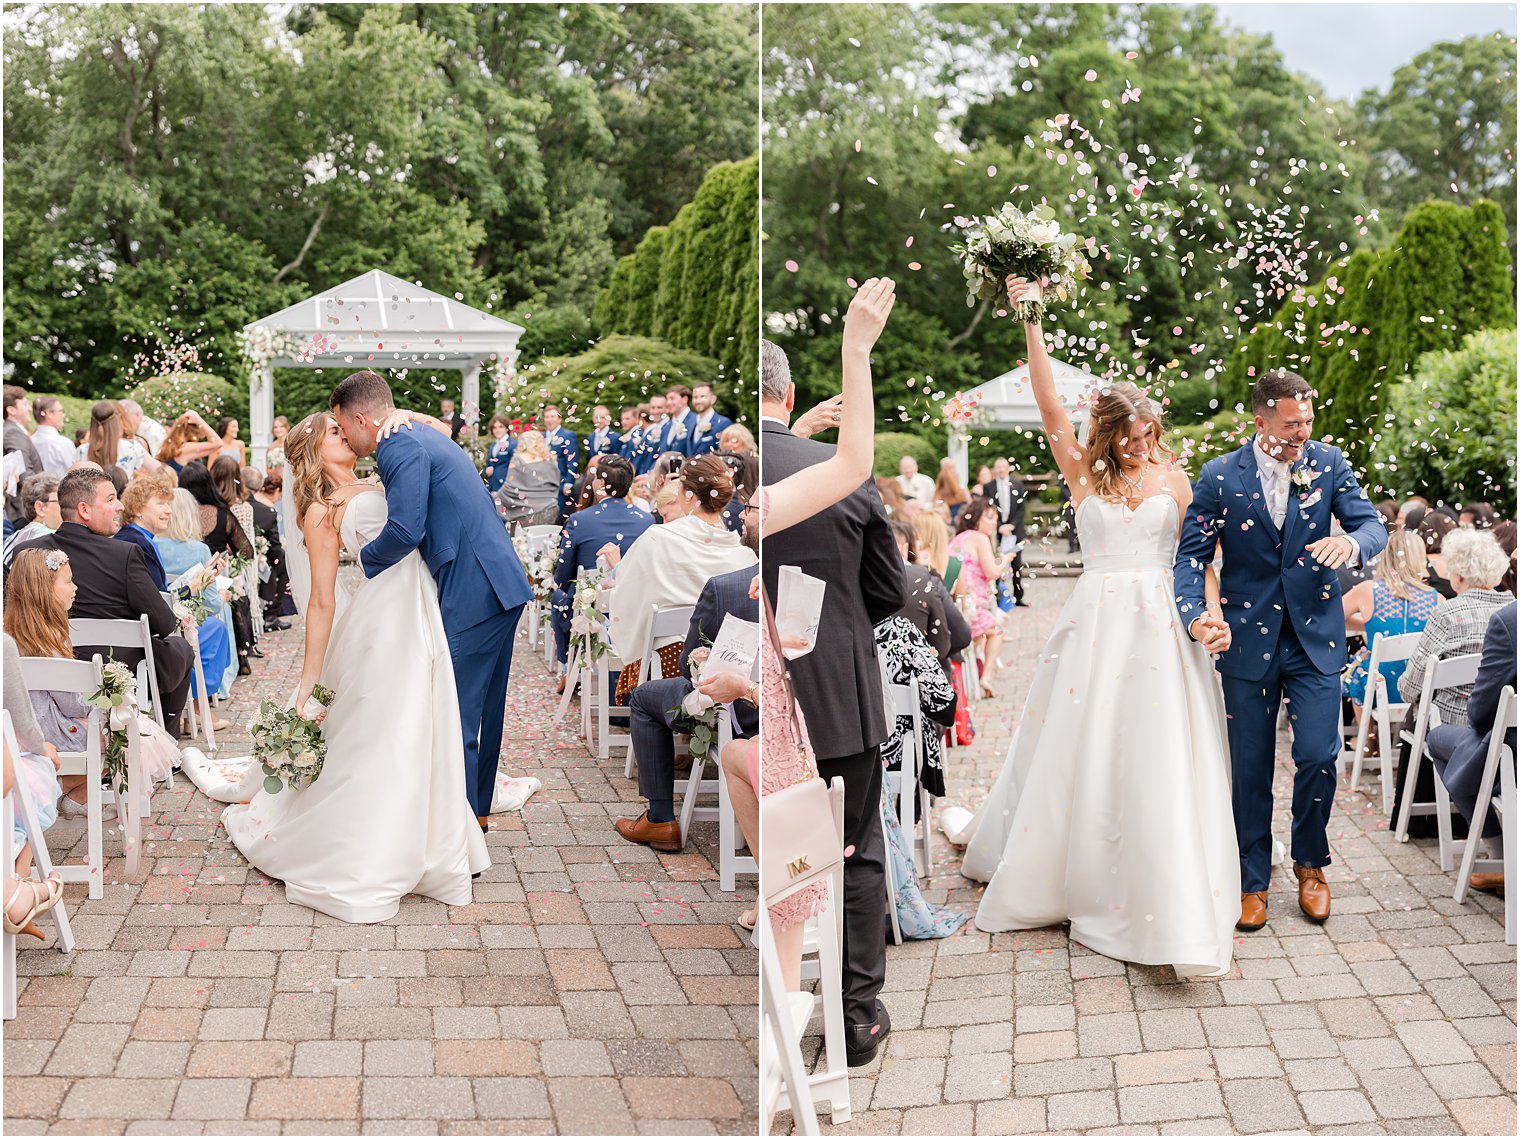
{"x": 981, "y": 569}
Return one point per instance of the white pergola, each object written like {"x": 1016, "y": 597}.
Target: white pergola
{"x": 382, "y": 322}
{"x": 1008, "y": 402}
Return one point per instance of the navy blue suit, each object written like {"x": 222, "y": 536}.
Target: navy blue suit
{"x": 1461, "y": 750}
{"x": 652, "y": 721}
{"x": 700, "y": 441}
{"x": 439, "y": 507}
{"x": 603, "y": 442}
{"x": 587, "y": 531}
{"x": 131, "y": 532}
{"x": 499, "y": 458}
{"x": 644, "y": 447}
{"x": 1288, "y": 634}
{"x": 566, "y": 446}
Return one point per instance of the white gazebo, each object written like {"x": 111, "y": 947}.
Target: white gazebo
{"x": 374, "y": 321}
{"x": 1008, "y": 402}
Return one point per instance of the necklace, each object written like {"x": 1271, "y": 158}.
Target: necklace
{"x": 1138, "y": 484}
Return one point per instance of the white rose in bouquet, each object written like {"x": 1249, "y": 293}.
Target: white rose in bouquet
{"x": 1045, "y": 233}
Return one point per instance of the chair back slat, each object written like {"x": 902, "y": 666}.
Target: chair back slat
{"x": 59, "y": 674}
{"x": 1453, "y": 672}
{"x": 672, "y": 621}
{"x": 116, "y": 634}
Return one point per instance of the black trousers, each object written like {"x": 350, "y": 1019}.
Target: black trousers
{"x": 1018, "y": 577}
{"x": 865, "y": 882}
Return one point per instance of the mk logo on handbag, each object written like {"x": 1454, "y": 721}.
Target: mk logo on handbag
{"x": 798, "y": 866}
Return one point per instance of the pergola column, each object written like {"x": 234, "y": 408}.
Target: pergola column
{"x": 960, "y": 451}
{"x": 470, "y": 393}
{"x": 261, "y": 410}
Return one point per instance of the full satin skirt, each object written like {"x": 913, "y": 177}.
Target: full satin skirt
{"x": 388, "y": 816}
{"x": 1113, "y": 808}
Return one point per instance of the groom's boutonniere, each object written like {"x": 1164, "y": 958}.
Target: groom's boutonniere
{"x": 1303, "y": 479}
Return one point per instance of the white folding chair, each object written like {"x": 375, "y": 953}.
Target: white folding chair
{"x": 673, "y": 621}
{"x": 1383, "y": 709}
{"x": 783, "y": 1021}
{"x": 19, "y": 802}
{"x": 82, "y": 678}
{"x": 730, "y": 838}
{"x": 124, "y": 634}
{"x": 1499, "y": 764}
{"x": 822, "y": 949}
{"x": 1448, "y": 672}
{"x": 906, "y": 789}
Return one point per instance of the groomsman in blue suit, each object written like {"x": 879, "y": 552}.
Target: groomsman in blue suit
{"x": 709, "y": 424}
{"x": 614, "y": 519}
{"x": 1281, "y": 637}
{"x": 566, "y": 446}
{"x": 603, "y": 440}
{"x": 683, "y": 420}
{"x": 652, "y": 442}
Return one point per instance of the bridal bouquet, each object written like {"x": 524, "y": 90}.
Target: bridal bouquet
{"x": 1015, "y": 243}
{"x": 288, "y": 746}
{"x": 587, "y": 629}
{"x": 117, "y": 698}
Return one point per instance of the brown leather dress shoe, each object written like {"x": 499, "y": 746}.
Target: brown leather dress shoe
{"x": 660, "y": 836}
{"x": 1253, "y": 911}
{"x": 485, "y": 822}
{"x": 1313, "y": 892}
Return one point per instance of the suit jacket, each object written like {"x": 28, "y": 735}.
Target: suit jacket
{"x": 114, "y": 584}
{"x": 644, "y": 447}
{"x": 587, "y": 531}
{"x": 603, "y": 442}
{"x": 699, "y": 441}
{"x": 1018, "y": 501}
{"x": 455, "y": 422}
{"x": 851, "y": 548}
{"x": 1496, "y": 670}
{"x": 567, "y": 452}
{"x": 144, "y": 542}
{"x": 1267, "y": 575}
{"x": 16, "y": 439}
{"x": 727, "y": 593}
{"x": 439, "y": 507}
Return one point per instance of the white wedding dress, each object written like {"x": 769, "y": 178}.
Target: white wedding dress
{"x": 389, "y": 815}
{"x": 1113, "y": 808}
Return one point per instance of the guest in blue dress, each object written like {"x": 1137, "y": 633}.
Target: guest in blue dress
{"x": 1397, "y": 600}
{"x": 179, "y": 549}
{"x": 499, "y": 457}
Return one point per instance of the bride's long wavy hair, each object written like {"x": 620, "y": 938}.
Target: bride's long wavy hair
{"x": 309, "y": 481}
{"x": 1111, "y": 415}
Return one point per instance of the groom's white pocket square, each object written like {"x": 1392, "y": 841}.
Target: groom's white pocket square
{"x": 1312, "y": 500}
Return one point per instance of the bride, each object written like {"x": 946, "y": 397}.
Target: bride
{"x": 1112, "y": 810}
{"x": 388, "y": 816}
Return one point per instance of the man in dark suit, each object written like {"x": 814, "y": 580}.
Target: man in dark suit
{"x": 708, "y": 423}
{"x": 850, "y": 547}
{"x": 455, "y": 421}
{"x": 613, "y": 520}
{"x": 114, "y": 584}
{"x": 566, "y": 446}
{"x": 1461, "y": 750}
{"x": 603, "y": 440}
{"x": 17, "y": 438}
{"x": 1007, "y": 493}
{"x": 654, "y": 710}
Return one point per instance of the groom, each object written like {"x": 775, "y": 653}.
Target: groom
{"x": 439, "y": 506}
{"x": 1282, "y": 635}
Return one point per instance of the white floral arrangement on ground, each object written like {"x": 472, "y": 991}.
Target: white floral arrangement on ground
{"x": 289, "y": 746}
{"x": 117, "y": 698}
{"x": 588, "y": 632}
{"x": 699, "y": 710}
{"x": 1014, "y": 243}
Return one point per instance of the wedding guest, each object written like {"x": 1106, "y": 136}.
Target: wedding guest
{"x": 602, "y": 439}
{"x": 56, "y": 452}
{"x": 646, "y": 445}
{"x": 39, "y": 512}
{"x": 1504, "y": 532}
{"x": 737, "y": 439}
{"x": 912, "y": 484}
{"x": 1388, "y": 511}
{"x": 26, "y": 898}
{"x": 227, "y": 477}
{"x": 566, "y": 448}
{"x": 143, "y": 427}
{"x": 108, "y": 443}
{"x": 274, "y": 457}
{"x": 1460, "y": 750}
{"x": 669, "y": 565}
{"x": 892, "y": 498}
{"x": 232, "y": 446}
{"x": 1411, "y": 511}
{"x": 665, "y": 504}
{"x": 145, "y": 511}
{"x": 265, "y": 507}
{"x": 1398, "y": 600}
{"x": 35, "y": 769}
{"x": 948, "y": 491}
{"x": 656, "y": 711}
{"x": 664, "y": 467}
{"x": 929, "y": 607}
{"x": 1477, "y": 516}
{"x": 612, "y": 521}
{"x": 531, "y": 495}
{"x": 499, "y": 454}
{"x": 981, "y": 568}
{"x": 17, "y": 439}
{"x": 190, "y": 438}
{"x": 710, "y": 424}
{"x": 1475, "y": 564}
{"x": 745, "y": 470}
{"x": 181, "y": 550}
{"x": 1009, "y": 495}
{"x": 222, "y": 534}
{"x": 1433, "y": 527}
{"x": 680, "y": 419}
{"x": 455, "y": 421}
{"x": 114, "y": 584}
{"x": 983, "y": 477}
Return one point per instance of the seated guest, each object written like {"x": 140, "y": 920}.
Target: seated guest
{"x": 499, "y": 455}
{"x": 655, "y": 708}
{"x": 264, "y": 500}
{"x": 1474, "y": 565}
{"x": 531, "y": 493}
{"x": 114, "y": 583}
{"x": 41, "y": 590}
{"x": 612, "y": 521}
{"x": 737, "y": 439}
{"x": 1477, "y": 516}
{"x": 1460, "y": 750}
{"x": 1396, "y": 601}
{"x": 144, "y": 514}
{"x": 929, "y": 607}
{"x": 670, "y": 564}
{"x": 1505, "y": 533}
{"x": 181, "y": 550}
{"x": 39, "y": 511}
{"x": 745, "y": 470}
{"x": 665, "y": 466}
{"x": 33, "y": 773}
{"x": 1433, "y": 527}
{"x": 583, "y": 495}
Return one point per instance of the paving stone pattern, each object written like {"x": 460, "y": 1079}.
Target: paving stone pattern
{"x": 1397, "y": 1016}
{"x": 593, "y": 987}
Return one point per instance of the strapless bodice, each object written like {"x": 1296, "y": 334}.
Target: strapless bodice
{"x": 1116, "y": 539}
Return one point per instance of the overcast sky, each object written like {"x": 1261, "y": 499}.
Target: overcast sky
{"x": 1350, "y": 47}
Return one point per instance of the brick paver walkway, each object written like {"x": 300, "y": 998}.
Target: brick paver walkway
{"x": 1396, "y": 1016}
{"x": 593, "y": 987}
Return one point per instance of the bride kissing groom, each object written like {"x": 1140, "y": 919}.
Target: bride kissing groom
{"x": 418, "y": 655}
{"x": 1136, "y": 799}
